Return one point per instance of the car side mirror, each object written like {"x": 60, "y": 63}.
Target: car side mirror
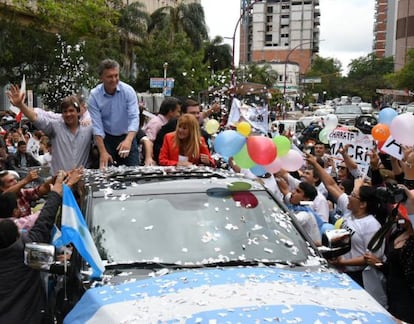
{"x": 335, "y": 243}
{"x": 39, "y": 256}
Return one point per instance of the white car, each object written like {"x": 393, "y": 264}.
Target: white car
{"x": 366, "y": 107}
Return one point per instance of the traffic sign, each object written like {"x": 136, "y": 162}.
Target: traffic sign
{"x": 159, "y": 82}
{"x": 312, "y": 80}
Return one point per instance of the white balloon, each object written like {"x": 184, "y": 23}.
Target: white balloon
{"x": 331, "y": 121}
{"x": 292, "y": 161}
{"x": 402, "y": 129}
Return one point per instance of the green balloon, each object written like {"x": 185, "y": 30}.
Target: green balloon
{"x": 324, "y": 135}
{"x": 243, "y": 159}
{"x": 282, "y": 144}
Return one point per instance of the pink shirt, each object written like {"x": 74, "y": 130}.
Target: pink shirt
{"x": 154, "y": 125}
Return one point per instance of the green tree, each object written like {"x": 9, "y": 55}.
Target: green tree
{"x": 257, "y": 73}
{"x": 187, "y": 18}
{"x": 404, "y": 78}
{"x": 217, "y": 55}
{"x": 184, "y": 64}
{"x": 366, "y": 74}
{"x": 329, "y": 71}
{"x": 133, "y": 25}
{"x": 67, "y": 75}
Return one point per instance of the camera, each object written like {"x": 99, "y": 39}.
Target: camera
{"x": 391, "y": 194}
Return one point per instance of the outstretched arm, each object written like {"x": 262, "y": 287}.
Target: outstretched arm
{"x": 17, "y": 99}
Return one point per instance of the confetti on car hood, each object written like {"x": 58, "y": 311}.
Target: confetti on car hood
{"x": 232, "y": 295}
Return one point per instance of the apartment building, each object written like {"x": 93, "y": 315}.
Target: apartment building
{"x": 284, "y": 33}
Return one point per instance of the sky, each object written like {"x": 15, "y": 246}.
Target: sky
{"x": 346, "y": 26}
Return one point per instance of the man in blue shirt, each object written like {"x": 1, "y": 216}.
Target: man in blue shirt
{"x": 113, "y": 108}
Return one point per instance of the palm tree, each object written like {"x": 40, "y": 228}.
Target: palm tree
{"x": 188, "y": 18}
{"x": 217, "y": 54}
{"x": 133, "y": 25}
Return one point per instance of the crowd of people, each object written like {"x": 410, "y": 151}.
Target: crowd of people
{"x": 106, "y": 130}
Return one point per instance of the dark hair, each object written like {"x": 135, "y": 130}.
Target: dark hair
{"x": 8, "y": 202}
{"x": 8, "y": 233}
{"x": 21, "y": 143}
{"x": 106, "y": 65}
{"x": 188, "y": 103}
{"x": 348, "y": 185}
{"x": 69, "y": 102}
{"x": 368, "y": 194}
{"x": 168, "y": 104}
{"x": 309, "y": 191}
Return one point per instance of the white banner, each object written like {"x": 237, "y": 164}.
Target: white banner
{"x": 393, "y": 148}
{"x": 360, "y": 145}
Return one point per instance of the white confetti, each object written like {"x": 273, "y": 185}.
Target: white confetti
{"x": 231, "y": 227}
{"x": 148, "y": 228}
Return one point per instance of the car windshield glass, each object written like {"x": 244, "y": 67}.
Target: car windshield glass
{"x": 196, "y": 228}
{"x": 348, "y": 110}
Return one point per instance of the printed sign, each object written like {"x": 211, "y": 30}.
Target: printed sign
{"x": 393, "y": 148}
{"x": 360, "y": 145}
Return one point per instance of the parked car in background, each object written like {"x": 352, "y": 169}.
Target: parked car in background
{"x": 410, "y": 107}
{"x": 291, "y": 125}
{"x": 366, "y": 107}
{"x": 347, "y": 114}
{"x": 206, "y": 246}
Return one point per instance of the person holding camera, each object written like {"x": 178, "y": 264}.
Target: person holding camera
{"x": 399, "y": 265}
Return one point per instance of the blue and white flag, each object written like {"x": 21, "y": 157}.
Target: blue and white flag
{"x": 74, "y": 230}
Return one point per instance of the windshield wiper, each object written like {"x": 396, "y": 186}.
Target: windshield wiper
{"x": 149, "y": 265}
{"x": 227, "y": 263}
{"x": 235, "y": 263}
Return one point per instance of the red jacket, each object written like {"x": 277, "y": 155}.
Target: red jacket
{"x": 169, "y": 152}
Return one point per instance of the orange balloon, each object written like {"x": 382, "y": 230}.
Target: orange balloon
{"x": 380, "y": 132}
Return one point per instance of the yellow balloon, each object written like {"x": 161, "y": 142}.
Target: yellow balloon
{"x": 212, "y": 126}
{"x": 244, "y": 128}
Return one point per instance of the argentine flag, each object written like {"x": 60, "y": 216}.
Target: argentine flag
{"x": 74, "y": 230}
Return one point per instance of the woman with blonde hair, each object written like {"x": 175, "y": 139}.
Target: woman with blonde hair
{"x": 185, "y": 146}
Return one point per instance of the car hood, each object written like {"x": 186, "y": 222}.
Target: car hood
{"x": 248, "y": 294}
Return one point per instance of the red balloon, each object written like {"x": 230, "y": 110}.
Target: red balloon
{"x": 261, "y": 149}
{"x": 245, "y": 198}
{"x": 380, "y": 132}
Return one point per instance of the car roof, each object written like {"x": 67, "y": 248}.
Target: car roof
{"x": 146, "y": 180}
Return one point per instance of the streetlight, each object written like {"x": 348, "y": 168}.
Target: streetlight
{"x": 286, "y": 62}
{"x": 233, "y": 72}
{"x": 165, "y": 65}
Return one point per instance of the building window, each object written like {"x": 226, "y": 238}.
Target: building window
{"x": 284, "y": 16}
{"x": 269, "y": 28}
{"x": 269, "y": 9}
{"x": 268, "y": 38}
{"x": 269, "y": 19}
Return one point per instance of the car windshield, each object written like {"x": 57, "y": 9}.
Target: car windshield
{"x": 196, "y": 228}
{"x": 348, "y": 110}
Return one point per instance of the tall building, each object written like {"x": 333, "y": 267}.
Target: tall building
{"x": 404, "y": 32}
{"x": 284, "y": 33}
{"x": 384, "y": 27}
{"x": 280, "y": 31}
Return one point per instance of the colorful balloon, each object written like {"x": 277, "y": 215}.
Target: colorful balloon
{"x": 242, "y": 159}
{"x": 228, "y": 143}
{"x": 244, "y": 128}
{"x": 386, "y": 115}
{"x": 380, "y": 132}
{"x": 282, "y": 144}
{"x": 212, "y": 126}
{"x": 261, "y": 149}
{"x": 292, "y": 161}
{"x": 274, "y": 167}
{"x": 402, "y": 129}
{"x": 324, "y": 135}
{"x": 258, "y": 170}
